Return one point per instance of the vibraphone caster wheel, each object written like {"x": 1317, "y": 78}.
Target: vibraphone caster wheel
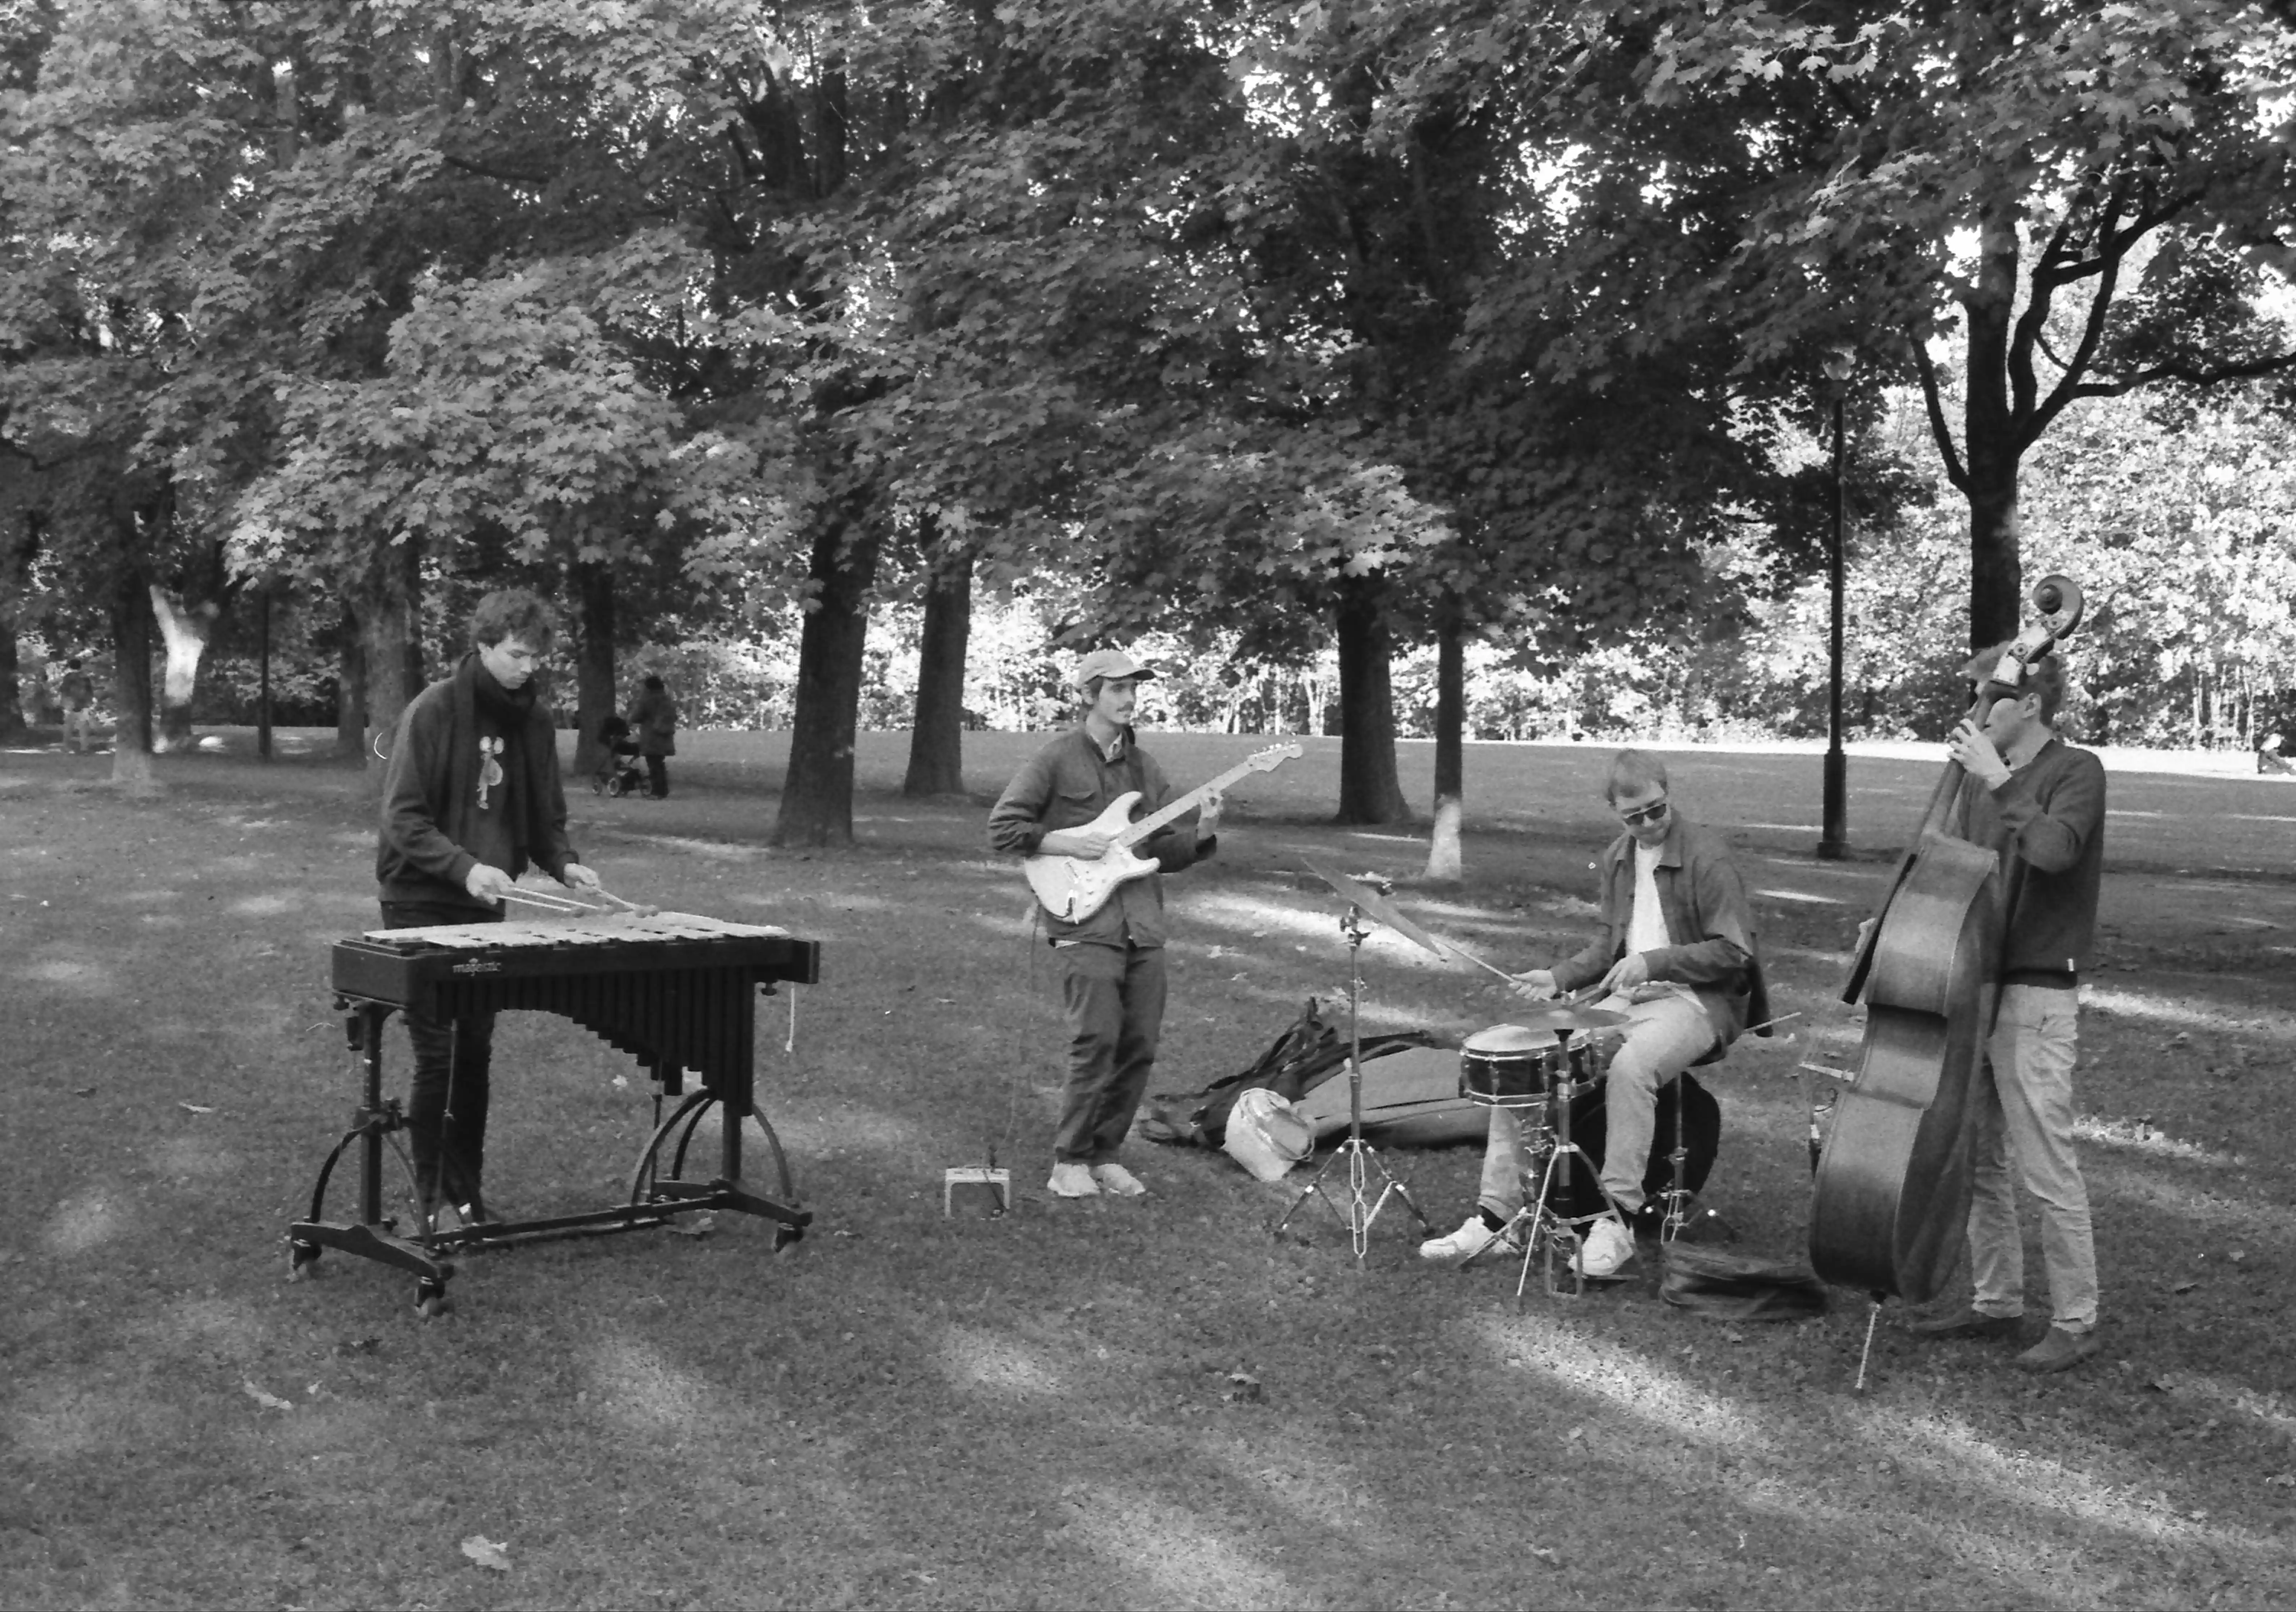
{"x": 302, "y": 1260}
{"x": 787, "y": 1237}
{"x": 430, "y": 1300}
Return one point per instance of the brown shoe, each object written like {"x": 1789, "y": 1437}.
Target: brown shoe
{"x": 1969, "y": 1321}
{"x": 2060, "y": 1350}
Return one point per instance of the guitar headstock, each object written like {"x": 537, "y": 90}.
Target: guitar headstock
{"x": 1275, "y": 755}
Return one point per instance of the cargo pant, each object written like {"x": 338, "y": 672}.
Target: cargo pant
{"x": 1114, "y": 999}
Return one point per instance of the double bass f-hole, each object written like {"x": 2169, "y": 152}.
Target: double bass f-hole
{"x": 1892, "y": 1192}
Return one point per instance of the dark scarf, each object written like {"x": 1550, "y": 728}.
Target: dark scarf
{"x": 527, "y": 767}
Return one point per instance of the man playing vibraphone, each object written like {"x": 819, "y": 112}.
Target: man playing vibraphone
{"x": 1677, "y": 955}
{"x": 472, "y": 798}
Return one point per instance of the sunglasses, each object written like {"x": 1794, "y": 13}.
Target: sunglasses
{"x": 1651, "y": 813}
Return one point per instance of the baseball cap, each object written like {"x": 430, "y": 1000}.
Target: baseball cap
{"x": 1109, "y": 663}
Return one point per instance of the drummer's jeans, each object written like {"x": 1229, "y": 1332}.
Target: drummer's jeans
{"x": 1666, "y": 1036}
{"x": 1114, "y": 996}
{"x": 2025, "y": 1112}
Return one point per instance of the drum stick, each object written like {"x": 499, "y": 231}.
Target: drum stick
{"x": 547, "y": 906}
{"x": 627, "y": 906}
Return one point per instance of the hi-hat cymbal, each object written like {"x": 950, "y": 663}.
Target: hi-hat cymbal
{"x": 1561, "y": 1016}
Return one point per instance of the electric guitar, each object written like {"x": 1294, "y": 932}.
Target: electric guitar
{"x": 1075, "y": 887}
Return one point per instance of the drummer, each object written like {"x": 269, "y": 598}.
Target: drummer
{"x": 1676, "y": 957}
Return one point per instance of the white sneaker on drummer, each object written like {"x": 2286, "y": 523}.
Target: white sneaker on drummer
{"x": 1473, "y": 1237}
{"x": 1608, "y": 1247}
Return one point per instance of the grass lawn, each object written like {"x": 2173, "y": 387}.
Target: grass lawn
{"x": 1098, "y": 1404}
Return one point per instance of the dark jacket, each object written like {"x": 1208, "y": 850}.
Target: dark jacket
{"x": 655, "y": 717}
{"x": 430, "y": 797}
{"x": 2046, "y": 821}
{"x": 1066, "y": 785}
{"x": 1715, "y": 952}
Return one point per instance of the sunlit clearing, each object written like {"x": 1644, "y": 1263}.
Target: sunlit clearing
{"x": 1947, "y": 1450}
{"x": 82, "y": 1221}
{"x": 80, "y": 978}
{"x": 976, "y": 1359}
{"x": 2221, "y": 1217}
{"x": 2138, "y": 1136}
{"x": 1557, "y": 1352}
{"x": 262, "y": 906}
{"x": 1326, "y": 1492}
{"x": 633, "y": 1382}
{"x": 2164, "y": 1010}
{"x": 1805, "y": 896}
{"x": 1174, "y": 1553}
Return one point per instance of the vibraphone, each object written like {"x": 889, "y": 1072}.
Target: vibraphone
{"x": 674, "y": 990}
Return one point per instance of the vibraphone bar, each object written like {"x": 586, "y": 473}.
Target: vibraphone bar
{"x": 674, "y": 990}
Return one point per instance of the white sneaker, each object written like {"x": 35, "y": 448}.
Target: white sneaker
{"x": 1072, "y": 1181}
{"x": 1608, "y": 1247}
{"x": 1115, "y": 1178}
{"x": 1471, "y": 1239}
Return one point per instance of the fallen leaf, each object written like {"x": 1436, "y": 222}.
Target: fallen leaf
{"x": 1547, "y": 1556}
{"x": 192, "y": 1108}
{"x": 269, "y": 1401}
{"x": 700, "y": 1225}
{"x": 487, "y": 1553}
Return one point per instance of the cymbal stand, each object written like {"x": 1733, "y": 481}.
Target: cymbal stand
{"x": 1360, "y": 1206}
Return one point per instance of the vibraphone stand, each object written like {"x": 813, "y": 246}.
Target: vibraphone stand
{"x": 655, "y": 1199}
{"x": 1360, "y": 1207}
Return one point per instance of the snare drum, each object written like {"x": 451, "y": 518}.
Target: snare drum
{"x": 1509, "y": 1067}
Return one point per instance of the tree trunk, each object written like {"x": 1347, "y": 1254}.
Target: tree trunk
{"x": 386, "y": 627}
{"x": 350, "y": 692}
{"x": 1444, "y": 861}
{"x": 131, "y": 688}
{"x": 12, "y": 688}
{"x": 818, "y": 795}
{"x": 1989, "y": 438}
{"x": 184, "y": 631}
{"x": 263, "y": 679}
{"x": 1370, "y": 791}
{"x": 594, "y": 662}
{"x": 937, "y": 739}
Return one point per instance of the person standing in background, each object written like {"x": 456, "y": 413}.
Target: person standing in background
{"x": 654, "y": 719}
{"x": 76, "y": 692}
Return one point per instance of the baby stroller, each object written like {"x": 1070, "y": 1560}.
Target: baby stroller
{"x": 617, "y": 773}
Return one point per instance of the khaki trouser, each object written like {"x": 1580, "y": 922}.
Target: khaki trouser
{"x": 2025, "y": 1113}
{"x": 1666, "y": 1036}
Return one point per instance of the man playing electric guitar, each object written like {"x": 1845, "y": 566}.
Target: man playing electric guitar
{"x": 1112, "y": 959}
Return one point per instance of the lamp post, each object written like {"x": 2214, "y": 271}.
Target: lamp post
{"x": 1833, "y": 836}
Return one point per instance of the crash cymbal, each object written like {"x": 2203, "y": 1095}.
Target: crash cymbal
{"x": 1378, "y": 905}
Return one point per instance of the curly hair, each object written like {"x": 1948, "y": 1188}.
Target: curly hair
{"x": 518, "y": 613}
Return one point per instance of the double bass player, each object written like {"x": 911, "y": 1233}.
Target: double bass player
{"x": 2038, "y": 802}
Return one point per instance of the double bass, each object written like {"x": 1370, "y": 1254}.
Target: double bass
{"x": 1892, "y": 1198}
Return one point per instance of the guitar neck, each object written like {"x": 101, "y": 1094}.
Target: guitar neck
{"x": 1172, "y": 811}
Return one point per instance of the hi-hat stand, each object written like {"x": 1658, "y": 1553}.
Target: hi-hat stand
{"x": 1360, "y": 1205}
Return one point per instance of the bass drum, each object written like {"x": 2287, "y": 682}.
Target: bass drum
{"x": 1682, "y": 1100}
